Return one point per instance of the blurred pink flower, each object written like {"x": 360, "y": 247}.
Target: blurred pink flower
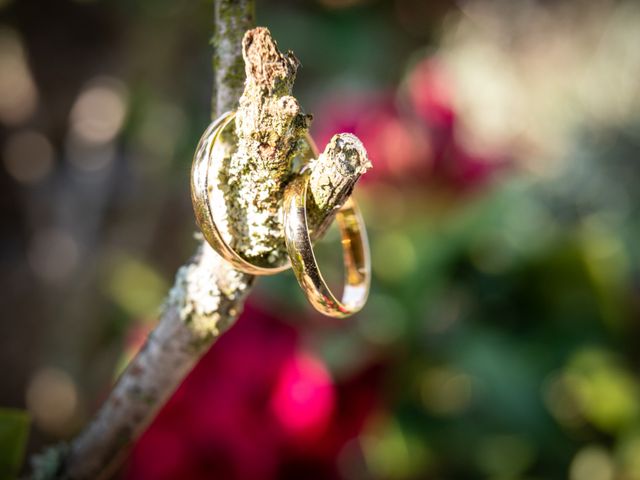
{"x": 413, "y": 145}
{"x": 430, "y": 93}
{"x": 396, "y": 148}
{"x": 304, "y": 397}
{"x": 256, "y": 406}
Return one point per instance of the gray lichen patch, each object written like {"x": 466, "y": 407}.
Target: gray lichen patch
{"x": 267, "y": 69}
{"x": 232, "y": 19}
{"x": 269, "y": 123}
{"x": 48, "y": 464}
{"x": 207, "y": 291}
{"x": 344, "y": 158}
{"x": 333, "y": 176}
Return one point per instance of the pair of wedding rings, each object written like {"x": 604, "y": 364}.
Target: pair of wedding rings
{"x": 296, "y": 231}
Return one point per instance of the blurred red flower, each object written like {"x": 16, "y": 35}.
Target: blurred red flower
{"x": 430, "y": 93}
{"x": 303, "y": 399}
{"x": 256, "y": 406}
{"x": 397, "y": 149}
{"x": 412, "y": 137}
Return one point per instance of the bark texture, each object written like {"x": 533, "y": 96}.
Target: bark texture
{"x": 232, "y": 18}
{"x": 208, "y": 294}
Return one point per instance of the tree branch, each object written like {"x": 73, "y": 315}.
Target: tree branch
{"x": 232, "y": 18}
{"x": 208, "y": 294}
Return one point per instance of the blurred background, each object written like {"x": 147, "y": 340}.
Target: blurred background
{"x": 500, "y": 340}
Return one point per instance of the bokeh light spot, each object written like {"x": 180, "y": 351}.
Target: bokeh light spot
{"x": 491, "y": 254}
{"x": 99, "y": 111}
{"x": 505, "y": 456}
{"x": 559, "y": 399}
{"x": 18, "y": 93}
{"x": 592, "y": 463}
{"x": 607, "y": 394}
{"x": 384, "y": 319}
{"x": 628, "y": 455}
{"x": 394, "y": 256}
{"x": 445, "y": 391}
{"x": 53, "y": 254}
{"x": 52, "y": 399}
{"x": 136, "y": 287}
{"x": 390, "y": 452}
{"x": 28, "y": 156}
{"x": 162, "y": 127}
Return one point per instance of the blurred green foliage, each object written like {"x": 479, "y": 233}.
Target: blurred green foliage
{"x": 14, "y": 430}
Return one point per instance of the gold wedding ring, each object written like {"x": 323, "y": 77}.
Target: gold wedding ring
{"x": 203, "y": 159}
{"x": 355, "y": 248}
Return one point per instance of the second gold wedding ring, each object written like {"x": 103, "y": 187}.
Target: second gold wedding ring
{"x": 355, "y": 249}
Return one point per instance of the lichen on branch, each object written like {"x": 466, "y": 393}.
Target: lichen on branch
{"x": 270, "y": 128}
{"x": 269, "y": 124}
{"x": 331, "y": 180}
